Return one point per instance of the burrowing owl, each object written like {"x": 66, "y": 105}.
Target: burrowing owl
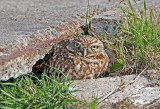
{"x": 81, "y": 57}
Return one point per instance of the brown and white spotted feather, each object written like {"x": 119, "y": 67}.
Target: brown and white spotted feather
{"x": 81, "y": 57}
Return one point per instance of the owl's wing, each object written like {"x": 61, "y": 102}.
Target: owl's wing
{"x": 40, "y": 65}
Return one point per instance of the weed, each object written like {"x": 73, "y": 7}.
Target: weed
{"x": 138, "y": 42}
{"x": 46, "y": 93}
{"x": 142, "y": 34}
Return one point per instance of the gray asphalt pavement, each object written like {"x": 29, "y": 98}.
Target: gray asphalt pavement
{"x": 19, "y": 17}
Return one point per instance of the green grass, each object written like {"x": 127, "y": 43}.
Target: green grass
{"x": 138, "y": 40}
{"x": 46, "y": 93}
{"x": 29, "y": 92}
{"x": 141, "y": 41}
{"x": 143, "y": 32}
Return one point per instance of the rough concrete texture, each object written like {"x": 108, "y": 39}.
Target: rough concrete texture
{"x": 28, "y": 28}
{"x": 19, "y": 58}
{"x": 140, "y": 93}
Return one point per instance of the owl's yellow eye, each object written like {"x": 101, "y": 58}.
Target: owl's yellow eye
{"x": 94, "y": 47}
{"x": 77, "y": 45}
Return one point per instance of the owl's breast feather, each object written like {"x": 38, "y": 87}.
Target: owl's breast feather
{"x": 88, "y": 68}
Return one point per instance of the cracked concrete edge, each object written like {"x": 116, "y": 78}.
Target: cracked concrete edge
{"x": 18, "y": 57}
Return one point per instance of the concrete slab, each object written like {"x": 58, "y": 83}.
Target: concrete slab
{"x": 140, "y": 93}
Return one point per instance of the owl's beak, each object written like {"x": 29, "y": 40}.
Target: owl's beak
{"x": 84, "y": 52}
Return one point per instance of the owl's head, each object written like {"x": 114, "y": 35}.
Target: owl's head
{"x": 85, "y": 46}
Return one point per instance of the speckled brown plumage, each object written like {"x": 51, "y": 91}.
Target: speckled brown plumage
{"x": 81, "y": 57}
